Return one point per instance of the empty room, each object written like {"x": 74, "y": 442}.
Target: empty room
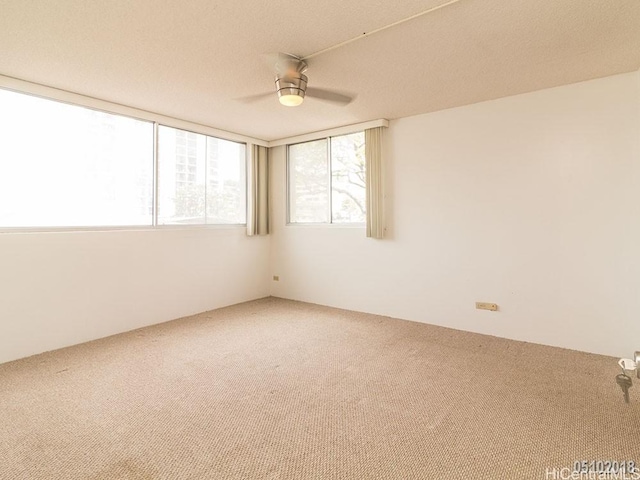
{"x": 319, "y": 240}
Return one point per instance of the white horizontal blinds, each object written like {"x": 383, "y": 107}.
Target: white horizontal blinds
{"x": 375, "y": 182}
{"x": 258, "y": 207}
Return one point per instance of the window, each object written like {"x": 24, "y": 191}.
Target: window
{"x": 201, "y": 179}
{"x": 64, "y": 165}
{"x": 327, "y": 180}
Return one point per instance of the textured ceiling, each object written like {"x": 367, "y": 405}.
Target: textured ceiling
{"x": 194, "y": 59}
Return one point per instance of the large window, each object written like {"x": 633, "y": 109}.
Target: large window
{"x": 327, "y": 180}
{"x": 201, "y": 179}
{"x": 63, "y": 165}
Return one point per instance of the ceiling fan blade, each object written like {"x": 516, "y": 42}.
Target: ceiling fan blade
{"x": 329, "y": 96}
{"x": 255, "y": 98}
{"x": 283, "y": 63}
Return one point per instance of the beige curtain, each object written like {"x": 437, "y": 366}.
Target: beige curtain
{"x": 375, "y": 182}
{"x": 258, "y": 192}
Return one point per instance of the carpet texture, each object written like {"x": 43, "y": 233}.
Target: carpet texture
{"x": 276, "y": 389}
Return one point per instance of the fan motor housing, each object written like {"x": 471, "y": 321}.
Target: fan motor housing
{"x": 291, "y": 85}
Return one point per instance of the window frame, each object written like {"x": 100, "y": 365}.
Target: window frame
{"x": 156, "y": 174}
{"x": 330, "y": 223}
{"x": 76, "y": 100}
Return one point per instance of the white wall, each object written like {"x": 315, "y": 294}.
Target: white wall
{"x": 531, "y": 201}
{"x": 60, "y": 289}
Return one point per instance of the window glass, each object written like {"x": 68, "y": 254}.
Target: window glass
{"x": 201, "y": 179}
{"x": 226, "y": 182}
{"x": 348, "y": 197}
{"x": 63, "y": 165}
{"x": 309, "y": 176}
{"x": 181, "y": 176}
{"x": 327, "y": 180}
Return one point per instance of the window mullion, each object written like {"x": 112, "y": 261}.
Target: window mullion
{"x": 154, "y": 206}
{"x": 330, "y": 182}
{"x": 206, "y": 173}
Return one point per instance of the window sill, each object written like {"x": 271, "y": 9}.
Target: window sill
{"x": 130, "y": 228}
{"x": 327, "y": 225}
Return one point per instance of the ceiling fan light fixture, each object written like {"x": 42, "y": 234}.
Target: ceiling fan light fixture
{"x": 291, "y": 89}
{"x": 291, "y": 100}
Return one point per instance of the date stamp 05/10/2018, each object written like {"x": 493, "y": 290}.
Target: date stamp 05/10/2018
{"x": 596, "y": 470}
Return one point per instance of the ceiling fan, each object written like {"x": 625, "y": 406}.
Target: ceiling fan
{"x": 291, "y": 83}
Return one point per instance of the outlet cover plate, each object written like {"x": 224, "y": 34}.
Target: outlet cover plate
{"x": 487, "y": 306}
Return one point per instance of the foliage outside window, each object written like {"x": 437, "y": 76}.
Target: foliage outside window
{"x": 327, "y": 180}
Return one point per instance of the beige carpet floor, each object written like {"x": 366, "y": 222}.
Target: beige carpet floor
{"x": 275, "y": 389}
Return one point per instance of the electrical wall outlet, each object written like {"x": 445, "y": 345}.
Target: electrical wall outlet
{"x": 276, "y": 278}
{"x": 487, "y": 306}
